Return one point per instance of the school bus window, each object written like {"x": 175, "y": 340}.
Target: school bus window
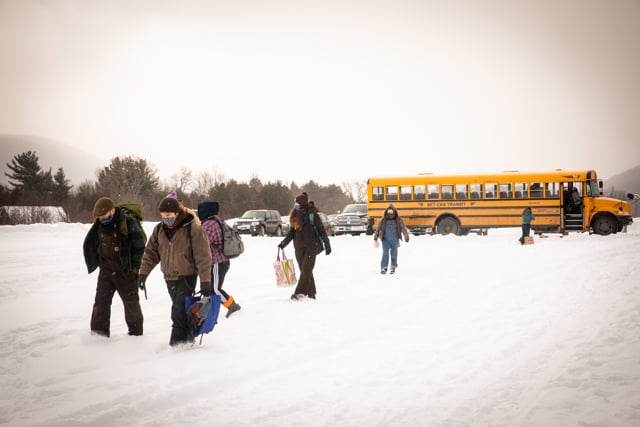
{"x": 405, "y": 192}
{"x": 462, "y": 191}
{"x": 505, "y": 191}
{"x": 392, "y": 192}
{"x": 490, "y": 191}
{"x": 377, "y": 193}
{"x": 476, "y": 190}
{"x": 447, "y": 191}
{"x": 521, "y": 190}
{"x": 536, "y": 190}
{"x": 434, "y": 191}
{"x": 418, "y": 192}
{"x": 551, "y": 190}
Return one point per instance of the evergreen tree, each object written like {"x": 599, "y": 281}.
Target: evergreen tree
{"x": 27, "y": 173}
{"x": 60, "y": 188}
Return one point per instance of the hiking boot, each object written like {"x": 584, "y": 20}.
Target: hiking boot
{"x": 233, "y": 308}
{"x": 383, "y": 271}
{"x": 312, "y": 296}
{"x": 297, "y": 296}
{"x": 393, "y": 270}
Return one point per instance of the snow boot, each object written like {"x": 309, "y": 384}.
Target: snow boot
{"x": 231, "y": 305}
{"x": 393, "y": 270}
{"x": 383, "y": 271}
{"x": 233, "y": 308}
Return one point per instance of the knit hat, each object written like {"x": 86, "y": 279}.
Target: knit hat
{"x": 207, "y": 208}
{"x": 102, "y": 206}
{"x": 169, "y": 204}
{"x": 173, "y": 195}
{"x": 302, "y": 199}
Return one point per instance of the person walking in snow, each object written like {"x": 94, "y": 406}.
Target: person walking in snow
{"x": 308, "y": 235}
{"x": 390, "y": 229}
{"x": 188, "y": 210}
{"x": 115, "y": 244}
{"x": 208, "y": 214}
{"x": 527, "y": 217}
{"x": 181, "y": 247}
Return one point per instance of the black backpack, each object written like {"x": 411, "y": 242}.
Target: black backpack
{"x": 232, "y": 244}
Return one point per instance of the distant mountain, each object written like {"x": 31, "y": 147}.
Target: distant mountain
{"x": 78, "y": 165}
{"x": 626, "y": 182}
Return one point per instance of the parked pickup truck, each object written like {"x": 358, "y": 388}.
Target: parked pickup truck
{"x": 352, "y": 220}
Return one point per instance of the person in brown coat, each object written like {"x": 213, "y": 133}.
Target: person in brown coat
{"x": 181, "y": 247}
{"x": 308, "y": 235}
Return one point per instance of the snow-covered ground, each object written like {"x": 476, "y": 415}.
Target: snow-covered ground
{"x": 471, "y": 331}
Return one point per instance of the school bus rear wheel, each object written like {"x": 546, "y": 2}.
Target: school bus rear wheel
{"x": 448, "y": 225}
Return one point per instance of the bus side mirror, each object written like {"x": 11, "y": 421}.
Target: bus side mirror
{"x": 600, "y": 187}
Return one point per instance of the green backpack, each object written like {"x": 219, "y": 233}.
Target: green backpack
{"x": 133, "y": 211}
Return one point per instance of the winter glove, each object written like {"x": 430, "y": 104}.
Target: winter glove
{"x": 327, "y": 249}
{"x": 142, "y": 278}
{"x": 280, "y": 245}
{"x": 205, "y": 289}
{"x": 406, "y": 239}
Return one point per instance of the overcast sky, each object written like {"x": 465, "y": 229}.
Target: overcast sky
{"x": 334, "y": 90}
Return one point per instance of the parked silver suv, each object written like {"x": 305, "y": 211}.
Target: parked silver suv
{"x": 352, "y": 220}
{"x": 260, "y": 222}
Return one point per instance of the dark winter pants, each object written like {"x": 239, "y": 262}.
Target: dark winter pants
{"x": 178, "y": 291}
{"x": 108, "y": 283}
{"x": 306, "y": 261}
{"x": 526, "y": 228}
{"x": 218, "y": 273}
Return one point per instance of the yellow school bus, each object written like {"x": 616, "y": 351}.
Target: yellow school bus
{"x": 457, "y": 204}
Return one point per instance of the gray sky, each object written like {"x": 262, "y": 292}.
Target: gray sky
{"x": 334, "y": 90}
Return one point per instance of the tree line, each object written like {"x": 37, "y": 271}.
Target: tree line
{"x": 132, "y": 179}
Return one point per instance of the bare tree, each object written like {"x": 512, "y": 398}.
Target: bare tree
{"x": 356, "y": 189}
{"x": 181, "y": 181}
{"x": 205, "y": 181}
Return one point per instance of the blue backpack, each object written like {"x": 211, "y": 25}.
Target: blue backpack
{"x": 202, "y": 313}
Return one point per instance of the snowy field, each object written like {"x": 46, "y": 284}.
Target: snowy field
{"x": 471, "y": 331}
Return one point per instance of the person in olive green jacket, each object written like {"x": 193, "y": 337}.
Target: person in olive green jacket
{"x": 181, "y": 247}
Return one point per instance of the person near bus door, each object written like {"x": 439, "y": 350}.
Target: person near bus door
{"x": 527, "y": 217}
{"x": 390, "y": 229}
{"x": 576, "y": 200}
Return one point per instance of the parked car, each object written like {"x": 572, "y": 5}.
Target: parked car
{"x": 328, "y": 226}
{"x": 285, "y": 223}
{"x": 260, "y": 222}
{"x": 352, "y": 220}
{"x": 326, "y": 222}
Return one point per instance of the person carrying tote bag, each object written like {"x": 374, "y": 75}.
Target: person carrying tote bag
{"x": 309, "y": 239}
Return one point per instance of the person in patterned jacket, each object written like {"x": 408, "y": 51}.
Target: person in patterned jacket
{"x": 208, "y": 214}
{"x": 115, "y": 243}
